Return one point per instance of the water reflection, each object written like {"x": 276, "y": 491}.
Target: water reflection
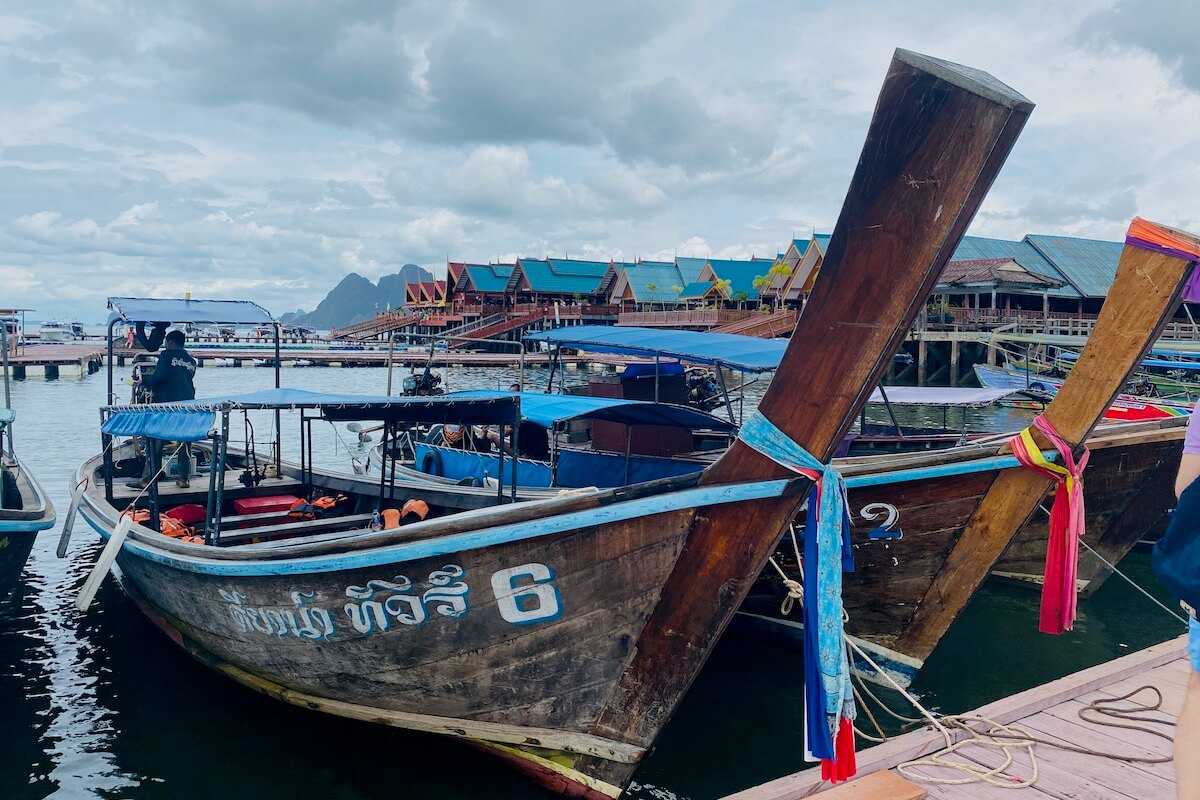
{"x": 102, "y": 705}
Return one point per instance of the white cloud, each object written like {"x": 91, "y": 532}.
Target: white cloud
{"x": 268, "y": 149}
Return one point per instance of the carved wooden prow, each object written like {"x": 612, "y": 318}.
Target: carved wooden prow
{"x": 1143, "y": 297}
{"x": 939, "y": 134}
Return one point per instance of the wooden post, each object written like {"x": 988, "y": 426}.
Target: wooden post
{"x": 922, "y": 352}
{"x": 954, "y": 362}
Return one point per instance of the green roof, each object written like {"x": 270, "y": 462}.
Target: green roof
{"x": 489, "y": 277}
{"x": 695, "y": 291}
{"x": 741, "y": 274}
{"x": 690, "y": 268}
{"x": 662, "y": 275}
{"x": 559, "y": 275}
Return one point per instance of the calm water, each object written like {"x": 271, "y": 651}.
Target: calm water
{"x": 102, "y": 705}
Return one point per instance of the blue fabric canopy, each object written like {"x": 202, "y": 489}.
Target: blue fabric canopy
{"x": 745, "y": 353}
{"x": 500, "y": 408}
{"x": 175, "y": 425}
{"x": 548, "y": 409}
{"x": 213, "y": 312}
{"x": 7, "y": 415}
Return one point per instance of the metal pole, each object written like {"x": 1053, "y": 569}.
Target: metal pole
{"x": 219, "y": 463}
{"x": 516, "y": 457}
{"x": 391, "y": 350}
{"x": 7, "y": 391}
{"x": 628, "y": 450}
{"x": 155, "y": 456}
{"x": 500, "y": 469}
{"x": 278, "y": 383}
{"x": 725, "y": 392}
{"x": 656, "y": 377}
{"x": 210, "y": 510}
{"x": 109, "y": 396}
{"x": 891, "y": 412}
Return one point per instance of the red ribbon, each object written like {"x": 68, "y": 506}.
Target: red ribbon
{"x": 1058, "y": 608}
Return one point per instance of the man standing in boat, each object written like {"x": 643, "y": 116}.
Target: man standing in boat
{"x": 172, "y": 381}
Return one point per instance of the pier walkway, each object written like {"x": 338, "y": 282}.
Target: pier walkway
{"x": 51, "y": 359}
{"x": 1047, "y": 712}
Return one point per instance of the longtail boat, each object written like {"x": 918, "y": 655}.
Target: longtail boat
{"x": 1125, "y": 408}
{"x": 559, "y": 634}
{"x": 24, "y": 508}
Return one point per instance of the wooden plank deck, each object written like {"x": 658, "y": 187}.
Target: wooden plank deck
{"x": 1049, "y": 712}
{"x": 54, "y": 355}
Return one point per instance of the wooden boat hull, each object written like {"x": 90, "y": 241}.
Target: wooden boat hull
{"x": 1128, "y": 487}
{"x": 19, "y": 527}
{"x": 512, "y": 643}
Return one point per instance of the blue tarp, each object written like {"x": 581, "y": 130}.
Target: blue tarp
{"x": 170, "y": 424}
{"x": 548, "y": 409}
{"x": 745, "y": 353}
{"x": 576, "y": 468}
{"x": 458, "y": 464}
{"x": 212, "y": 312}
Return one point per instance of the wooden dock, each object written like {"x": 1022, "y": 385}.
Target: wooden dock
{"x": 52, "y": 359}
{"x": 1047, "y": 712}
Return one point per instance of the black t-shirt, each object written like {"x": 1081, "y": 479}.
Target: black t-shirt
{"x": 172, "y": 378}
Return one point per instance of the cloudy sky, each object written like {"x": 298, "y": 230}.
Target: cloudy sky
{"x": 264, "y": 148}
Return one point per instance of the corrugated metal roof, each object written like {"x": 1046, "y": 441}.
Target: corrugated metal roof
{"x": 1089, "y": 264}
{"x": 822, "y": 240}
{"x": 695, "y": 291}
{"x": 740, "y": 274}
{"x": 974, "y": 248}
{"x": 662, "y": 275}
{"x": 559, "y": 275}
{"x": 489, "y": 277}
{"x": 689, "y": 268}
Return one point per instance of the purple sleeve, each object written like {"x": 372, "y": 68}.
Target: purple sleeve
{"x": 1191, "y": 442}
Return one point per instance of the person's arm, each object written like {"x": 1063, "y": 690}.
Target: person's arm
{"x": 1189, "y": 470}
{"x": 1189, "y": 465}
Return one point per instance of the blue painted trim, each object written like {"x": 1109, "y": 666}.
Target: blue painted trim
{"x": 939, "y": 471}
{"x": 28, "y": 525}
{"x": 457, "y": 543}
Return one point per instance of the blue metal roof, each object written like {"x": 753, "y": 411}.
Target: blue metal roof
{"x": 662, "y": 275}
{"x": 695, "y": 291}
{"x": 489, "y": 277}
{"x": 690, "y": 268}
{"x": 550, "y": 409}
{"x": 214, "y": 312}
{"x": 746, "y": 353}
{"x": 740, "y": 274}
{"x": 1089, "y": 264}
{"x": 822, "y": 240}
{"x": 973, "y": 248}
{"x": 559, "y": 275}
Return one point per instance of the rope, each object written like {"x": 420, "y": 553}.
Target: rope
{"x": 1009, "y": 740}
{"x": 1125, "y": 577}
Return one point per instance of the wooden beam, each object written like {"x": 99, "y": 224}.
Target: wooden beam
{"x": 1143, "y": 298}
{"x": 939, "y": 135}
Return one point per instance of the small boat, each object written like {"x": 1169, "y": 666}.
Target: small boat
{"x": 1039, "y": 388}
{"x": 558, "y": 634}
{"x": 60, "y": 331}
{"x": 24, "y": 508}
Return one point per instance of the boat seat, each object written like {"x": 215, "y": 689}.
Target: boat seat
{"x": 290, "y": 529}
